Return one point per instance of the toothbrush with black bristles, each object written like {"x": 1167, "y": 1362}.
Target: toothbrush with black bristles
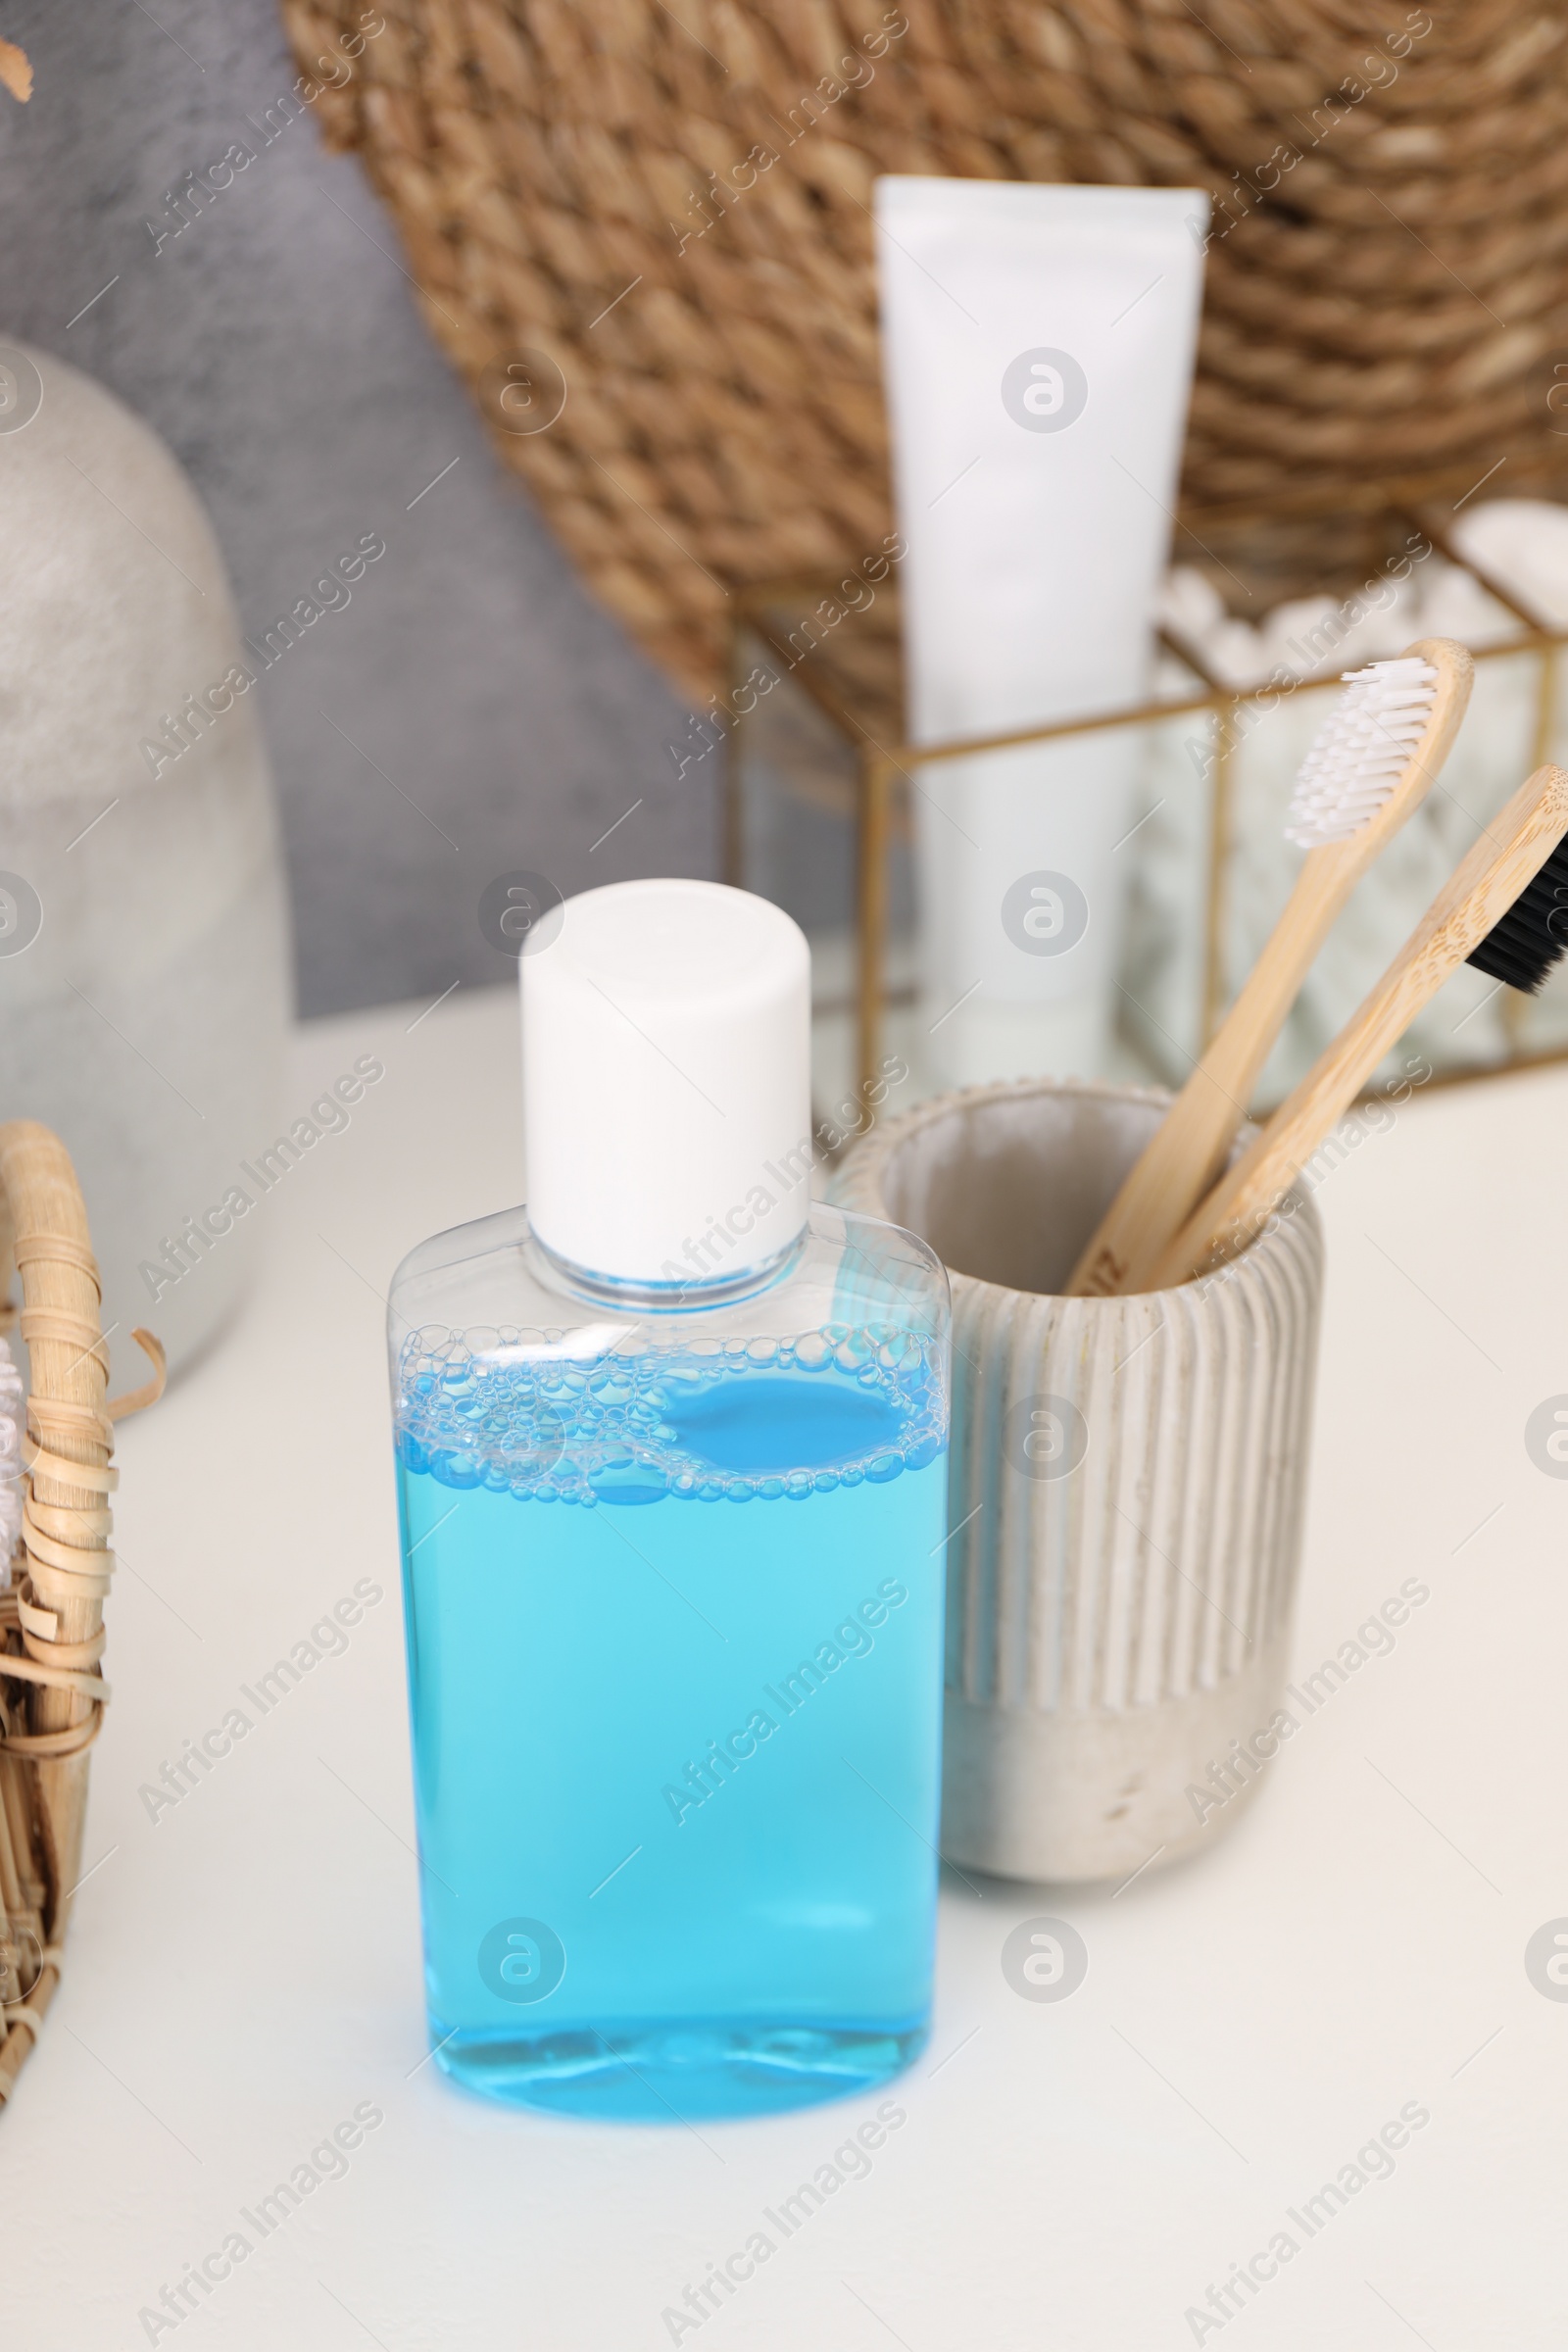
{"x": 1369, "y": 768}
{"x": 1505, "y": 910}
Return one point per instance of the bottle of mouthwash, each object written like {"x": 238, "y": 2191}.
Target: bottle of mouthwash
{"x": 671, "y": 1450}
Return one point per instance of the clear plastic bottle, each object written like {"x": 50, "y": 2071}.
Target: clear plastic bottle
{"x": 673, "y": 1559}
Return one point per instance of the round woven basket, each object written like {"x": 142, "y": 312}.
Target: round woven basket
{"x": 584, "y": 194}
{"x": 52, "y": 1690}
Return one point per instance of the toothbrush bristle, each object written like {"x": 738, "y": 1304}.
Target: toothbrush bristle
{"x": 1524, "y": 944}
{"x": 1362, "y": 751}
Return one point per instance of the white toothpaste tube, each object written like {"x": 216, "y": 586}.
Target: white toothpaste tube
{"x": 1038, "y": 348}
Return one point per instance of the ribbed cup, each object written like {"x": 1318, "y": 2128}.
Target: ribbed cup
{"x": 1127, "y": 1486}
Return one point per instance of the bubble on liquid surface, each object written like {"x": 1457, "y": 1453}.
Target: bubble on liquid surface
{"x": 772, "y": 1420}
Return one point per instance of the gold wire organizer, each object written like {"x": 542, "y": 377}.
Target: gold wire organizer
{"x": 831, "y": 642}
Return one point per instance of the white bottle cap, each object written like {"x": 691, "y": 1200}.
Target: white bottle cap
{"x": 666, "y": 1081}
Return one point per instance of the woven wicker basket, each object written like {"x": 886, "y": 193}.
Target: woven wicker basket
{"x": 1389, "y": 300}
{"x": 52, "y": 1692}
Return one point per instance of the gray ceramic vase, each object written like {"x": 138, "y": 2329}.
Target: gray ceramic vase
{"x": 1127, "y": 1487}
{"x": 144, "y": 954}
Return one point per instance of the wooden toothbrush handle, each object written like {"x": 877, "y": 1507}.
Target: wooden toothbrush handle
{"x": 1185, "y": 1153}
{"x": 1484, "y": 886}
{"x": 1182, "y": 1156}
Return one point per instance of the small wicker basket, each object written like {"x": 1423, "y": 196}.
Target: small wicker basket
{"x": 52, "y": 1692}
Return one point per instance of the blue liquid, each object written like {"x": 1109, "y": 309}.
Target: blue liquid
{"x": 616, "y": 1573}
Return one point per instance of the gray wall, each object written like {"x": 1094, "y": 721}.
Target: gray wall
{"x": 277, "y": 348}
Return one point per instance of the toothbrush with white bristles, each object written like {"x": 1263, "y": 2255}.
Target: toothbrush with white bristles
{"x": 1503, "y": 910}
{"x": 1368, "y": 769}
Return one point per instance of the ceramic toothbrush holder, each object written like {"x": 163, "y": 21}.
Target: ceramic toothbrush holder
{"x": 1127, "y": 1491}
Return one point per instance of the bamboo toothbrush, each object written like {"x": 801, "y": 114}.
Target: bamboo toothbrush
{"x": 1505, "y": 910}
{"x": 1368, "y": 768}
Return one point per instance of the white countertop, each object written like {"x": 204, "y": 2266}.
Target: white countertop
{"x": 243, "y": 1972}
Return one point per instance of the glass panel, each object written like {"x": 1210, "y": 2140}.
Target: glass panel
{"x": 1199, "y": 869}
